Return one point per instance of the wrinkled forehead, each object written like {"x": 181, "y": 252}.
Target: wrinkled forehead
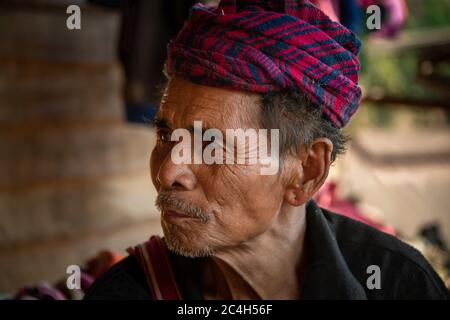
{"x": 184, "y": 102}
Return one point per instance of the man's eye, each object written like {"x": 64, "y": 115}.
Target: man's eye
{"x": 163, "y": 136}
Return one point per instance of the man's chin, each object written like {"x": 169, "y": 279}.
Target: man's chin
{"x": 180, "y": 240}
{"x": 187, "y": 251}
{"x": 190, "y": 250}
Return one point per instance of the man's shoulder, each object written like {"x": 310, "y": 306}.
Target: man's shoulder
{"x": 123, "y": 281}
{"x": 403, "y": 269}
{"x": 350, "y": 232}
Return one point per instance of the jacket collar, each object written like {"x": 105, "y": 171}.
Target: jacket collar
{"x": 327, "y": 275}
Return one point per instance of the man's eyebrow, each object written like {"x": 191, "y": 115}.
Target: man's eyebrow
{"x": 191, "y": 128}
{"x": 161, "y": 123}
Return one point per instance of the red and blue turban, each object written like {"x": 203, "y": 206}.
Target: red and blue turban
{"x": 268, "y": 46}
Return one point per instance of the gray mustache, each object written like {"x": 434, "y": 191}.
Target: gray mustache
{"x": 166, "y": 199}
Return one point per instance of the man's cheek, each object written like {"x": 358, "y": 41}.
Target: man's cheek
{"x": 238, "y": 177}
{"x": 235, "y": 190}
{"x": 155, "y": 164}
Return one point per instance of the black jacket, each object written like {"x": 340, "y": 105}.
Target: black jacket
{"x": 339, "y": 250}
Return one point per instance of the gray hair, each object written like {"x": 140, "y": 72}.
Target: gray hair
{"x": 299, "y": 122}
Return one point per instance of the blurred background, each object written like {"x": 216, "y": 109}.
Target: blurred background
{"x": 75, "y": 137}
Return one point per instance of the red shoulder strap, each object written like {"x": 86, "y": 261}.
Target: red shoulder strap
{"x": 153, "y": 258}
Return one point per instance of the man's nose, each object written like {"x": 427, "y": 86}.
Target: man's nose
{"x": 176, "y": 176}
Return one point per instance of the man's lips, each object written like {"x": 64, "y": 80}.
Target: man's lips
{"x": 172, "y": 214}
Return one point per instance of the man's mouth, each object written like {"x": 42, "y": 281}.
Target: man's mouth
{"x": 171, "y": 214}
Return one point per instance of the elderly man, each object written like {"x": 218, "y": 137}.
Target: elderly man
{"x": 230, "y": 231}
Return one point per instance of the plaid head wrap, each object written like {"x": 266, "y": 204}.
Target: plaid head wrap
{"x": 264, "y": 46}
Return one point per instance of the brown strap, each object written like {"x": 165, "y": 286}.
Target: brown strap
{"x": 154, "y": 260}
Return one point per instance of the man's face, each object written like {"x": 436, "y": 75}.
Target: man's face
{"x": 209, "y": 207}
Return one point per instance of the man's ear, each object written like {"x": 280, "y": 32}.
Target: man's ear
{"x": 310, "y": 174}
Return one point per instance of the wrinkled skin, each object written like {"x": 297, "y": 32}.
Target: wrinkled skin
{"x": 242, "y": 206}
